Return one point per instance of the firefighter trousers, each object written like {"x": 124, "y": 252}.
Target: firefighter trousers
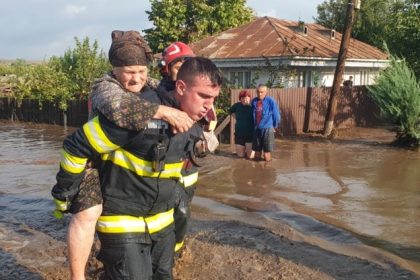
{"x": 131, "y": 258}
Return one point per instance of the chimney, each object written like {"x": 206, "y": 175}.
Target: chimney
{"x": 332, "y": 35}
{"x": 302, "y": 27}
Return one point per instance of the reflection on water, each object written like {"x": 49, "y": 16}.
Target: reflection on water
{"x": 344, "y": 193}
{"x": 29, "y": 157}
{"x": 30, "y": 238}
{"x": 371, "y": 191}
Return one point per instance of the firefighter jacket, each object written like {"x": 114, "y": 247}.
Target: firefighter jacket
{"x": 138, "y": 170}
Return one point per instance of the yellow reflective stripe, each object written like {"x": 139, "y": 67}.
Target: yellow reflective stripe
{"x": 142, "y": 167}
{"x": 122, "y": 224}
{"x": 179, "y": 246}
{"x": 189, "y": 180}
{"x": 97, "y": 137}
{"x": 60, "y": 205}
{"x": 72, "y": 163}
{"x": 160, "y": 221}
{"x": 172, "y": 170}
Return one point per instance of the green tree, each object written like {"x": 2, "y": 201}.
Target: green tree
{"x": 82, "y": 65}
{"x": 222, "y": 102}
{"x": 48, "y": 84}
{"x": 188, "y": 21}
{"x": 370, "y": 21}
{"x": 19, "y": 78}
{"x": 61, "y": 78}
{"x": 332, "y": 14}
{"x": 168, "y": 17}
{"x": 227, "y": 14}
{"x": 403, "y": 32}
{"x": 395, "y": 22}
{"x": 397, "y": 93}
{"x": 38, "y": 81}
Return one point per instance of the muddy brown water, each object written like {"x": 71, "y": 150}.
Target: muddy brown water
{"x": 346, "y": 194}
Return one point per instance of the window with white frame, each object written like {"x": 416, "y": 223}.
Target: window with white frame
{"x": 240, "y": 79}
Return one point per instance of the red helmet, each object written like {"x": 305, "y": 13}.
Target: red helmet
{"x": 173, "y": 53}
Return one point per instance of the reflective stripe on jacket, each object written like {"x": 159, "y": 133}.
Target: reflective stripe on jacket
{"x": 130, "y": 183}
{"x": 143, "y": 167}
{"x": 190, "y": 179}
{"x": 126, "y": 224}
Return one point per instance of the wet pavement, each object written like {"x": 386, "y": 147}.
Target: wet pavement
{"x": 349, "y": 193}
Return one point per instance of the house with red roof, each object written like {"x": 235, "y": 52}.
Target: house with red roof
{"x": 288, "y": 54}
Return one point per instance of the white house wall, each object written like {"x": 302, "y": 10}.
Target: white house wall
{"x": 360, "y": 76}
{"x": 306, "y": 76}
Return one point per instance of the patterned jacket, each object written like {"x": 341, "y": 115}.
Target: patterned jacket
{"x": 121, "y": 107}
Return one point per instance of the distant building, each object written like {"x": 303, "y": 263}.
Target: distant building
{"x": 289, "y": 54}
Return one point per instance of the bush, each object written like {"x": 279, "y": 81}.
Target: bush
{"x": 397, "y": 93}
{"x": 61, "y": 79}
{"x": 222, "y": 102}
{"x": 48, "y": 84}
{"x": 82, "y": 65}
{"x": 18, "y": 77}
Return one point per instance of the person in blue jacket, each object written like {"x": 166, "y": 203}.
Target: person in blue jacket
{"x": 266, "y": 119}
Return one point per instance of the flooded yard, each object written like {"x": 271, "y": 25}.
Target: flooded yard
{"x": 352, "y": 197}
{"x": 369, "y": 193}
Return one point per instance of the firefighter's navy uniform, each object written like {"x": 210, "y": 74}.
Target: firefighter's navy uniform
{"x": 141, "y": 174}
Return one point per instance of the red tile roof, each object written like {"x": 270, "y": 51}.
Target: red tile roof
{"x": 271, "y": 37}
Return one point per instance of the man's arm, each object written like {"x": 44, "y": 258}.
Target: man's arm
{"x": 276, "y": 113}
{"x": 121, "y": 107}
{"x": 127, "y": 110}
{"x": 179, "y": 120}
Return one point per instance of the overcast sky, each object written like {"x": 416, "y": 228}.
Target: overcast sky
{"x": 38, "y": 29}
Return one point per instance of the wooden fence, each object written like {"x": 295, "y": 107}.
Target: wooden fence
{"x": 302, "y": 110}
{"x": 29, "y": 110}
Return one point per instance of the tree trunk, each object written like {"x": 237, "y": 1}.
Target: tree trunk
{"x": 65, "y": 119}
{"x": 338, "y": 76}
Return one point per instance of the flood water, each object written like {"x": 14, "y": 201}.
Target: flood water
{"x": 345, "y": 193}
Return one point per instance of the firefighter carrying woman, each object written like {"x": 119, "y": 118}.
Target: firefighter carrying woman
{"x": 141, "y": 167}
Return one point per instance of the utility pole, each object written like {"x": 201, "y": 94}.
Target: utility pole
{"x": 339, "y": 70}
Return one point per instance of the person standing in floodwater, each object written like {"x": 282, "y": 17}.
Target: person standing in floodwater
{"x": 267, "y": 118}
{"x": 244, "y": 127}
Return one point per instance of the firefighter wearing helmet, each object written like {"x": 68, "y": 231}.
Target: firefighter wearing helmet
{"x": 172, "y": 58}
